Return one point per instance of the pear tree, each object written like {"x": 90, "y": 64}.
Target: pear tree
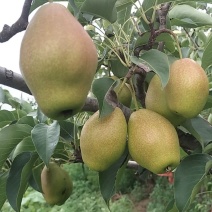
{"x": 78, "y": 61}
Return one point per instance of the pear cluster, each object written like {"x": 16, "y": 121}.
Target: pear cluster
{"x": 185, "y": 94}
{"x": 56, "y": 184}
{"x": 150, "y": 133}
{"x": 58, "y": 61}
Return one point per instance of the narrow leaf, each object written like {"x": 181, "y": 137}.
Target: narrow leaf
{"x": 45, "y": 138}
{"x": 17, "y": 181}
{"x": 157, "y": 61}
{"x": 10, "y": 136}
{"x": 188, "y": 176}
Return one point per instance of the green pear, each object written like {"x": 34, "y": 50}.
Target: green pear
{"x": 156, "y": 101}
{"x": 124, "y": 95}
{"x": 103, "y": 140}
{"x": 58, "y": 61}
{"x": 187, "y": 89}
{"x": 153, "y": 141}
{"x": 56, "y": 184}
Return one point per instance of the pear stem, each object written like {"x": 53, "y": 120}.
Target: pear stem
{"x": 133, "y": 94}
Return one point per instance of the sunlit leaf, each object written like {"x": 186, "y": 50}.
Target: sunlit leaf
{"x": 45, "y": 139}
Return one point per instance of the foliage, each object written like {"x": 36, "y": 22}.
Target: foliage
{"x": 131, "y": 39}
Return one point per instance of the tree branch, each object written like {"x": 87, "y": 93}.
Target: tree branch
{"x": 19, "y": 26}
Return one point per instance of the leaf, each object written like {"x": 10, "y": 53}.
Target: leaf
{"x": 200, "y": 129}
{"x": 118, "y": 68}
{"x": 187, "y": 16}
{"x": 17, "y": 181}
{"x": 100, "y": 88}
{"x": 6, "y": 117}
{"x": 25, "y": 145}
{"x": 107, "y": 178}
{"x": 27, "y": 120}
{"x": 188, "y": 177}
{"x": 103, "y": 9}
{"x": 38, "y": 3}
{"x": 3, "y": 179}
{"x": 157, "y": 61}
{"x": 67, "y": 130}
{"x": 10, "y": 136}
{"x": 208, "y": 103}
{"x": 45, "y": 138}
{"x": 207, "y": 54}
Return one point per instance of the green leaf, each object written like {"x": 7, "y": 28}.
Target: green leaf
{"x": 187, "y": 16}
{"x": 107, "y": 178}
{"x": 19, "y": 175}
{"x": 3, "y": 179}
{"x": 207, "y": 54}
{"x": 200, "y": 129}
{"x": 118, "y": 68}
{"x": 67, "y": 130}
{"x": 10, "y": 136}
{"x": 45, "y": 139}
{"x": 25, "y": 145}
{"x": 35, "y": 178}
{"x": 188, "y": 177}
{"x": 103, "y": 9}
{"x": 38, "y": 3}
{"x": 157, "y": 61}
{"x": 27, "y": 120}
{"x": 6, "y": 117}
{"x": 208, "y": 103}
{"x": 100, "y": 89}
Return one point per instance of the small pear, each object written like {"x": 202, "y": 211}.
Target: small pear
{"x": 187, "y": 89}
{"x": 153, "y": 141}
{"x": 58, "y": 61}
{"x": 56, "y": 184}
{"x": 156, "y": 101}
{"x": 103, "y": 140}
{"x": 124, "y": 95}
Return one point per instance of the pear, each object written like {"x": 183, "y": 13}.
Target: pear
{"x": 124, "y": 95}
{"x": 187, "y": 89}
{"x": 56, "y": 184}
{"x": 103, "y": 140}
{"x": 153, "y": 141}
{"x": 58, "y": 61}
{"x": 156, "y": 101}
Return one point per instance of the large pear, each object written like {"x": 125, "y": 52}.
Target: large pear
{"x": 153, "y": 141}
{"x": 56, "y": 184}
{"x": 156, "y": 101}
{"x": 187, "y": 89}
{"x": 103, "y": 140}
{"x": 58, "y": 61}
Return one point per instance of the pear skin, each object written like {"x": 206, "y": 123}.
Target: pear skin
{"x": 156, "y": 101}
{"x": 58, "y": 61}
{"x": 103, "y": 140}
{"x": 56, "y": 184}
{"x": 187, "y": 89}
{"x": 153, "y": 141}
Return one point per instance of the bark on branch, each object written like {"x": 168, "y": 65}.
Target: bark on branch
{"x": 19, "y": 26}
